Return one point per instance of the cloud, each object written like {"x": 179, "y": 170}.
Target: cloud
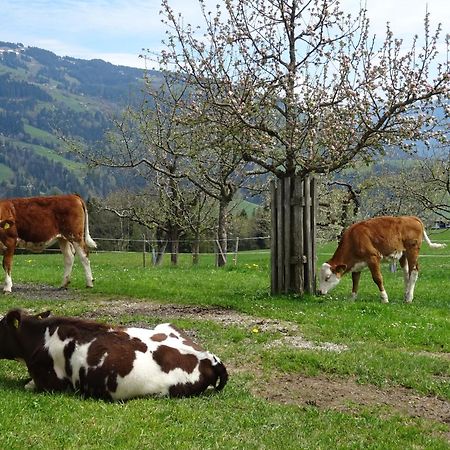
{"x": 118, "y": 30}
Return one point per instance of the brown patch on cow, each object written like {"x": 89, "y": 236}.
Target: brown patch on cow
{"x": 207, "y": 378}
{"x": 159, "y": 337}
{"x": 110, "y": 355}
{"x": 169, "y": 358}
{"x": 187, "y": 340}
{"x": 83, "y": 331}
{"x": 117, "y": 349}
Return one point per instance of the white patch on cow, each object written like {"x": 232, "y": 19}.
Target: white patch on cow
{"x": 30, "y": 386}
{"x": 384, "y": 297}
{"x": 359, "y": 266}
{"x": 141, "y": 333}
{"x": 68, "y": 253}
{"x": 37, "y": 247}
{"x": 78, "y": 360}
{"x": 327, "y": 279}
{"x": 146, "y": 378}
{"x": 8, "y": 283}
{"x": 409, "y": 292}
{"x": 85, "y": 263}
{"x": 395, "y": 255}
{"x": 406, "y": 274}
{"x": 55, "y": 347}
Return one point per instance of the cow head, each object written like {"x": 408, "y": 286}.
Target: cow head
{"x": 330, "y": 276}
{"x": 9, "y": 332}
{"x": 11, "y": 346}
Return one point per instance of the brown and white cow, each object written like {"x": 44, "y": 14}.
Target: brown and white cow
{"x": 367, "y": 243}
{"x": 35, "y": 223}
{"x": 102, "y": 361}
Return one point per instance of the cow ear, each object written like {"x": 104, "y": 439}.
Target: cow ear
{"x": 43, "y": 315}
{"x": 5, "y": 224}
{"x": 340, "y": 269}
{"x": 14, "y": 318}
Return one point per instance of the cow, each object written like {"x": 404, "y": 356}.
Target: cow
{"x": 367, "y": 243}
{"x": 35, "y": 223}
{"x": 108, "y": 362}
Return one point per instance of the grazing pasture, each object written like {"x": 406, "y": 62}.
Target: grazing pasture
{"x": 312, "y": 372}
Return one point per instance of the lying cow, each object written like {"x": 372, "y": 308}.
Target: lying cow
{"x": 366, "y": 243}
{"x": 35, "y": 223}
{"x": 106, "y": 362}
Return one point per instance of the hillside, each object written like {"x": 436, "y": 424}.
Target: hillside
{"x": 43, "y": 96}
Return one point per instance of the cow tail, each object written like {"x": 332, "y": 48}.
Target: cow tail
{"x": 87, "y": 237}
{"x": 222, "y": 375}
{"x": 428, "y": 240}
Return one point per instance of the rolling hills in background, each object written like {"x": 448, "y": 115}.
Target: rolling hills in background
{"x": 43, "y": 96}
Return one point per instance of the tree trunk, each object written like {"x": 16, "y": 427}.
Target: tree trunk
{"x": 222, "y": 234}
{"x": 195, "y": 250}
{"x": 174, "y": 237}
{"x": 161, "y": 244}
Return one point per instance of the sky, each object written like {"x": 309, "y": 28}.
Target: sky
{"x": 117, "y": 30}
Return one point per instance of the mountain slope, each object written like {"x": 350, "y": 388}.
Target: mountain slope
{"x": 43, "y": 96}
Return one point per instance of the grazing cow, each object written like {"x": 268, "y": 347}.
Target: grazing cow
{"x": 366, "y": 243}
{"x": 112, "y": 363}
{"x": 35, "y": 223}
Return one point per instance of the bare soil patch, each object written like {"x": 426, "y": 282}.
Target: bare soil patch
{"x": 347, "y": 395}
{"x": 321, "y": 392}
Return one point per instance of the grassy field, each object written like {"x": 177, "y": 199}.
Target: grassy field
{"x": 377, "y": 361}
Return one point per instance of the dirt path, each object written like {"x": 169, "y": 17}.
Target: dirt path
{"x": 321, "y": 392}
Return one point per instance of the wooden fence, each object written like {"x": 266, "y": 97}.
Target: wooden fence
{"x": 293, "y": 243}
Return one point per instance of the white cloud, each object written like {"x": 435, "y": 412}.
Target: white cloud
{"x": 118, "y": 30}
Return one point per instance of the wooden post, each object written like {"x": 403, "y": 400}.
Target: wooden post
{"x": 297, "y": 234}
{"x": 236, "y": 249}
{"x": 274, "y": 288}
{"x": 287, "y": 235}
{"x": 293, "y": 248}
{"x": 143, "y": 252}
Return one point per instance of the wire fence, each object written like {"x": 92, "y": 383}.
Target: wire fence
{"x": 149, "y": 248}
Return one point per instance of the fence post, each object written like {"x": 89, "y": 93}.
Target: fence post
{"x": 144, "y": 259}
{"x": 236, "y": 249}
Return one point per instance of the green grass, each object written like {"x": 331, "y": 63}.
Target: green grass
{"x": 5, "y": 173}
{"x": 394, "y": 345}
{"x": 42, "y": 135}
{"x": 52, "y": 155}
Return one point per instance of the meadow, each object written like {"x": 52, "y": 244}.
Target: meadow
{"x": 305, "y": 372}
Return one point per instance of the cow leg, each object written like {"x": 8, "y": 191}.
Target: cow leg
{"x": 411, "y": 258}
{"x": 355, "y": 283}
{"x": 82, "y": 254}
{"x": 7, "y": 266}
{"x": 405, "y": 268}
{"x": 374, "y": 266}
{"x": 69, "y": 257}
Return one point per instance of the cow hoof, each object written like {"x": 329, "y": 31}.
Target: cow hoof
{"x": 62, "y": 288}
{"x": 30, "y": 386}
{"x": 6, "y": 292}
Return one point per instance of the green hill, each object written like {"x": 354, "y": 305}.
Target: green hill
{"x": 43, "y": 96}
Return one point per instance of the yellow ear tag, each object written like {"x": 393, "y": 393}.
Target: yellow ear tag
{"x": 6, "y": 226}
{"x": 16, "y": 323}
